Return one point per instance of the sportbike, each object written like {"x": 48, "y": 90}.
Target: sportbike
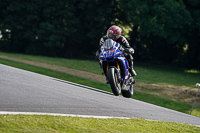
{"x": 115, "y": 67}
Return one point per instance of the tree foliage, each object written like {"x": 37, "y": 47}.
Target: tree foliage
{"x": 161, "y": 31}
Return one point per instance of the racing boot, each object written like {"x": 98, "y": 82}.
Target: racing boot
{"x": 131, "y": 70}
{"x": 133, "y": 81}
{"x": 100, "y": 64}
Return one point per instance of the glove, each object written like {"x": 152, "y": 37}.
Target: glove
{"x": 129, "y": 50}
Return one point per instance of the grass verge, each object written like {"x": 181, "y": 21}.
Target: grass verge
{"x": 147, "y": 74}
{"x": 34, "y": 123}
{"x": 167, "y": 103}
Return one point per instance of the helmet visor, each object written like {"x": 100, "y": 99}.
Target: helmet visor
{"x": 111, "y": 35}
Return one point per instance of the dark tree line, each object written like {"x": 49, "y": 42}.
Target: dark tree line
{"x": 160, "y": 31}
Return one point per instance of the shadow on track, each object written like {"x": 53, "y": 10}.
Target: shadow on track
{"x": 90, "y": 88}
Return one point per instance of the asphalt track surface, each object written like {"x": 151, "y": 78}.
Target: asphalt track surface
{"x": 24, "y": 91}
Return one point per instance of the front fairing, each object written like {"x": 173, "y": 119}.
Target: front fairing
{"x": 111, "y": 53}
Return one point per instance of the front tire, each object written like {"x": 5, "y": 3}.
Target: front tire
{"x": 114, "y": 84}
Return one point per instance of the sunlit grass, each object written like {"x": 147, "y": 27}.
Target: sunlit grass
{"x": 196, "y": 112}
{"x": 192, "y": 71}
{"x": 50, "y": 124}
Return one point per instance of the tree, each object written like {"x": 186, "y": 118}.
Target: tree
{"x": 56, "y": 28}
{"x": 193, "y": 42}
{"x": 159, "y": 27}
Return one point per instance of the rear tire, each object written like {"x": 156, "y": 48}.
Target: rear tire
{"x": 114, "y": 84}
{"x": 128, "y": 93}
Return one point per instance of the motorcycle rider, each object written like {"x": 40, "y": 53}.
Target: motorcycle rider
{"x": 114, "y": 33}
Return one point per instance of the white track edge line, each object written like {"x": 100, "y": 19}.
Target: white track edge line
{"x": 57, "y": 114}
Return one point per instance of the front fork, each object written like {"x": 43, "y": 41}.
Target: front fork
{"x": 117, "y": 70}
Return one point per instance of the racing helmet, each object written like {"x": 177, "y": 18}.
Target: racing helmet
{"x": 114, "y": 32}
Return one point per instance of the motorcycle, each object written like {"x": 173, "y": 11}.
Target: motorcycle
{"x": 115, "y": 67}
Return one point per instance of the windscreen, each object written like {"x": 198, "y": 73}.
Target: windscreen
{"x": 108, "y": 44}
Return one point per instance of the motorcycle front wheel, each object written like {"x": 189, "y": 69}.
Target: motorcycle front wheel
{"x": 114, "y": 84}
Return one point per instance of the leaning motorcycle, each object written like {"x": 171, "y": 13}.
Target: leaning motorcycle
{"x": 115, "y": 67}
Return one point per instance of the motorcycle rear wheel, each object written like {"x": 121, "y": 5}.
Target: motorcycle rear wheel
{"x": 128, "y": 93}
{"x": 114, "y": 84}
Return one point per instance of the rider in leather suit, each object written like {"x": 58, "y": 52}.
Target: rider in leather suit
{"x": 114, "y": 33}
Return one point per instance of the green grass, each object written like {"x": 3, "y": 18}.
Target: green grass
{"x": 167, "y": 103}
{"x": 167, "y": 76}
{"x": 148, "y": 74}
{"x": 43, "y": 124}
